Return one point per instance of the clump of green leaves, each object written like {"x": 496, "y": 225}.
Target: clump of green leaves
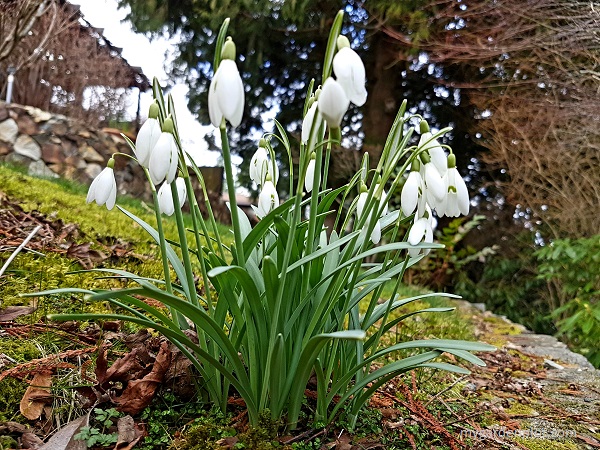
{"x": 572, "y": 268}
{"x": 99, "y": 433}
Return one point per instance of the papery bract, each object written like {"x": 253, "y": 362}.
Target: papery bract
{"x": 164, "y": 159}
{"x": 333, "y": 103}
{"x": 350, "y": 74}
{"x": 104, "y": 188}
{"x": 165, "y": 197}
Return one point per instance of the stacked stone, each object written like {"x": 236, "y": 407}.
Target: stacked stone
{"x": 52, "y": 145}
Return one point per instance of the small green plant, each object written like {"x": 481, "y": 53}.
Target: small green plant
{"x": 571, "y": 267}
{"x": 100, "y": 434}
{"x": 290, "y": 296}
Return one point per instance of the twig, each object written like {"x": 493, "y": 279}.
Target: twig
{"x": 19, "y": 248}
{"x": 307, "y": 433}
{"x": 446, "y": 389}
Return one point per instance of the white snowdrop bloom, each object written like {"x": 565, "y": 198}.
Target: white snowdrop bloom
{"x": 103, "y": 189}
{"x": 310, "y": 174}
{"x": 376, "y": 233}
{"x": 165, "y": 198}
{"x": 333, "y": 103}
{"x": 349, "y": 71}
{"x": 312, "y": 121}
{"x": 421, "y": 231}
{"x": 411, "y": 191}
{"x": 268, "y": 199}
{"x": 457, "y": 194}
{"x": 259, "y": 165}
{"x": 382, "y": 201}
{"x": 226, "y": 91}
{"x": 146, "y": 140}
{"x": 164, "y": 159}
{"x": 434, "y": 182}
{"x": 436, "y": 152}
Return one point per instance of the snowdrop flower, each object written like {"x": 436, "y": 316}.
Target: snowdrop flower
{"x": 164, "y": 157}
{"x": 433, "y": 180}
{"x": 165, "y": 197}
{"x": 333, "y": 103}
{"x": 310, "y": 173}
{"x": 147, "y": 136}
{"x": 432, "y": 146}
{"x": 421, "y": 231}
{"x": 259, "y": 165}
{"x": 312, "y": 121}
{"x": 350, "y": 72}
{"x": 104, "y": 187}
{"x": 226, "y": 91}
{"x": 268, "y": 199}
{"x": 412, "y": 190}
{"x": 457, "y": 196}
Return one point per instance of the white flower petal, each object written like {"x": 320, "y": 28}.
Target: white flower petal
{"x": 312, "y": 120}
{"x": 410, "y": 193}
{"x": 112, "y": 196}
{"x": 268, "y": 199}
{"x": 436, "y": 152}
{"x": 333, "y": 103}
{"x": 417, "y": 231}
{"x": 105, "y": 184}
{"x": 181, "y": 190}
{"x": 433, "y": 181}
{"x": 310, "y": 176}
{"x": 165, "y": 200}
{"x": 146, "y": 140}
{"x": 376, "y": 234}
{"x": 463, "y": 195}
{"x": 214, "y": 111}
{"x": 360, "y": 204}
{"x": 350, "y": 73}
{"x": 229, "y": 91}
{"x": 161, "y": 158}
{"x": 258, "y": 165}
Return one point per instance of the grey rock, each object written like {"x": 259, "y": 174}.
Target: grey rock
{"x": 549, "y": 347}
{"x": 90, "y": 155}
{"x": 9, "y": 131}
{"x": 39, "y": 169}
{"x": 93, "y": 170}
{"x": 26, "y": 146}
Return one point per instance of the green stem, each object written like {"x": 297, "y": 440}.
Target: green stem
{"x": 239, "y": 243}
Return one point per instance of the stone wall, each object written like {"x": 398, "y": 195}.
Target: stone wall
{"x": 53, "y": 145}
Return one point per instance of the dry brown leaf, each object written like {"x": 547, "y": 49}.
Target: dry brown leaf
{"x": 37, "y": 395}
{"x": 228, "y": 442}
{"x": 139, "y": 393}
{"x": 128, "y": 433}
{"x": 64, "y": 439}
{"x": 12, "y": 312}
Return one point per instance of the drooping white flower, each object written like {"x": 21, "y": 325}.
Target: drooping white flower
{"x": 333, "y": 103}
{"x": 312, "y": 121}
{"x": 104, "y": 187}
{"x": 421, "y": 231}
{"x": 310, "y": 174}
{"x": 433, "y": 182}
{"x": 411, "y": 191}
{"x": 147, "y": 136}
{"x": 165, "y": 198}
{"x": 268, "y": 199}
{"x": 457, "y": 194}
{"x": 382, "y": 201}
{"x": 349, "y": 71}
{"x": 226, "y": 91}
{"x": 259, "y": 165}
{"x": 164, "y": 157}
{"x": 436, "y": 152}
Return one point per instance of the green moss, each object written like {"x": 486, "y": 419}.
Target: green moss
{"x": 502, "y": 327}
{"x": 517, "y": 408}
{"x": 11, "y": 393}
{"x": 21, "y": 350}
{"x": 545, "y": 444}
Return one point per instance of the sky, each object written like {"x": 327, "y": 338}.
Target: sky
{"x": 152, "y": 58}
